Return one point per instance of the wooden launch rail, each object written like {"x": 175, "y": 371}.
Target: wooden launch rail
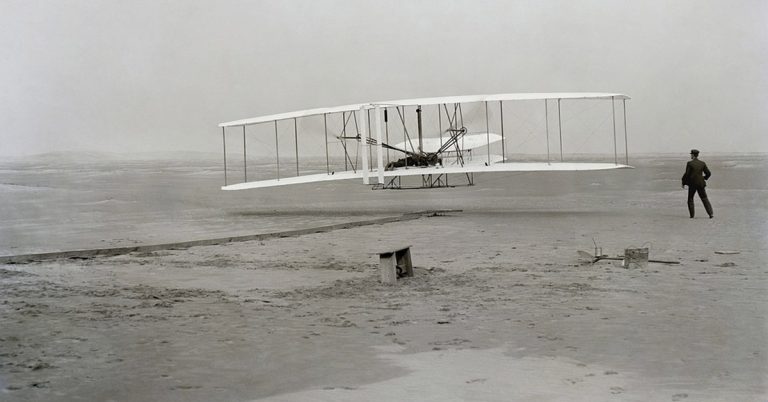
{"x": 104, "y": 252}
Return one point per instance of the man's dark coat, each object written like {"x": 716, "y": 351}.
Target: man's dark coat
{"x": 696, "y": 174}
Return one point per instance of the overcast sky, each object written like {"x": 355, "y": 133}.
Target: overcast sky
{"x": 132, "y": 76}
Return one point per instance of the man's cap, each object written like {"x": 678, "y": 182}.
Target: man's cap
{"x": 695, "y": 152}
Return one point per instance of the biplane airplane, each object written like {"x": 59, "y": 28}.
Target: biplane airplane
{"x": 427, "y": 150}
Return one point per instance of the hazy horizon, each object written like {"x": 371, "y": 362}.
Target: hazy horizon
{"x": 133, "y": 77}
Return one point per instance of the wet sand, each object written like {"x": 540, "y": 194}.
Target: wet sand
{"x": 500, "y": 308}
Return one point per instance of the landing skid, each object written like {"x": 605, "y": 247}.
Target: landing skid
{"x": 427, "y": 181}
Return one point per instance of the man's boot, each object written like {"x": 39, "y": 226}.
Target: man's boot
{"x": 708, "y": 207}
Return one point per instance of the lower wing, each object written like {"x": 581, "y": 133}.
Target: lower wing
{"x": 433, "y": 170}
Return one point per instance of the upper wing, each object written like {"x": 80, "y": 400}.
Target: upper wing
{"x": 424, "y": 102}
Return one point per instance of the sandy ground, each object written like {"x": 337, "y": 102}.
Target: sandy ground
{"x": 500, "y": 308}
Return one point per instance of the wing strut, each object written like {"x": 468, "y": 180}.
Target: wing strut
{"x": 418, "y": 120}
{"x": 296, "y": 138}
{"x": 440, "y": 124}
{"x": 344, "y": 134}
{"x": 325, "y": 128}
{"x": 560, "y": 129}
{"x": 503, "y": 148}
{"x": 277, "y": 152}
{"x": 245, "y": 159}
{"x": 370, "y": 157}
{"x": 546, "y": 123}
{"x": 224, "y": 141}
{"x": 487, "y": 133}
{"x": 613, "y": 114}
{"x": 626, "y": 147}
{"x": 453, "y": 129}
{"x": 379, "y": 151}
{"x": 386, "y": 129}
{"x": 343, "y": 137}
{"x": 364, "y": 134}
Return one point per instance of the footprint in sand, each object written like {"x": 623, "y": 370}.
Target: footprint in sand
{"x": 185, "y": 387}
{"x": 617, "y": 390}
{"x": 452, "y": 342}
{"x": 679, "y": 397}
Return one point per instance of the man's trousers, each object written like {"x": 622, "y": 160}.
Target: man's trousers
{"x": 703, "y": 195}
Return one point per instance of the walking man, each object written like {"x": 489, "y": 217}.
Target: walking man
{"x": 695, "y": 177}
